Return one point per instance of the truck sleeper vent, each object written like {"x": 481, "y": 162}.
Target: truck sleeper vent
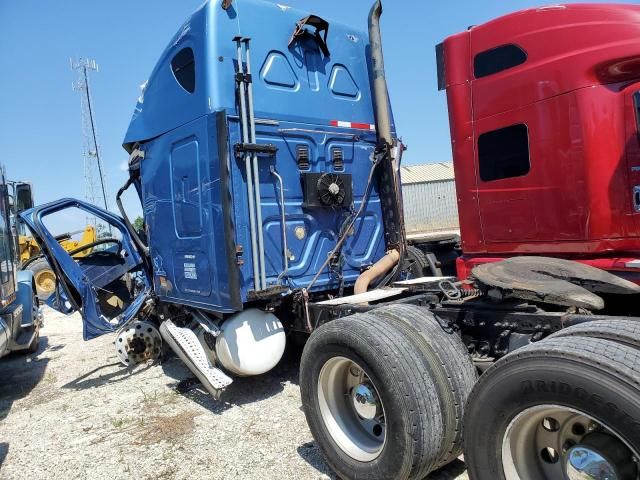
{"x": 338, "y": 159}
{"x": 302, "y": 157}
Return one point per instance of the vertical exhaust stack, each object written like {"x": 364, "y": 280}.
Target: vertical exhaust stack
{"x": 381, "y": 92}
{"x": 388, "y": 148}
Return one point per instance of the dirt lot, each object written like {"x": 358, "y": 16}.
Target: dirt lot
{"x": 71, "y": 411}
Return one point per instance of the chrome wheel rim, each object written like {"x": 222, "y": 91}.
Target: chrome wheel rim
{"x": 555, "y": 442}
{"x": 351, "y": 409}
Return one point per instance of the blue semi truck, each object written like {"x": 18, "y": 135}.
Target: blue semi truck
{"x": 20, "y": 317}
{"x": 265, "y": 157}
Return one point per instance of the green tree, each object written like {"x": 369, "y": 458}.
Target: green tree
{"x": 138, "y": 224}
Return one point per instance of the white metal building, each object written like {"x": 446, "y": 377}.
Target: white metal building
{"x": 430, "y": 203}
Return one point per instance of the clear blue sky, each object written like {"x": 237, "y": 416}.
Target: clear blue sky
{"x": 40, "y": 134}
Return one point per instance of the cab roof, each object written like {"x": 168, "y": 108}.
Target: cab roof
{"x": 195, "y": 75}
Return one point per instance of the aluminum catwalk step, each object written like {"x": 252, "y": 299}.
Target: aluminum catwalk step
{"x": 186, "y": 345}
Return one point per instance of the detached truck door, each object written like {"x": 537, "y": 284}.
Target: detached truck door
{"x": 95, "y": 284}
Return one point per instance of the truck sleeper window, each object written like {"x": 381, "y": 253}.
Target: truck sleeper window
{"x": 498, "y": 59}
{"x": 184, "y": 69}
{"x": 504, "y": 153}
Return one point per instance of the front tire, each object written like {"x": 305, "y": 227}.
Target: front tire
{"x": 390, "y": 428}
{"x": 34, "y": 346}
{"x": 539, "y": 412}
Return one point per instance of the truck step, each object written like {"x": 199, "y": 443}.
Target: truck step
{"x": 185, "y": 343}
{"x": 24, "y": 339}
{"x": 36, "y": 318}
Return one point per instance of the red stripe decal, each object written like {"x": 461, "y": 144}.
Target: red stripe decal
{"x": 356, "y": 125}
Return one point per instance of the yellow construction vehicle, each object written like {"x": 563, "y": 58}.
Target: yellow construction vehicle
{"x": 31, "y": 257}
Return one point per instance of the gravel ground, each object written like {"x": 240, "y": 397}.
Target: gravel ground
{"x": 71, "y": 411}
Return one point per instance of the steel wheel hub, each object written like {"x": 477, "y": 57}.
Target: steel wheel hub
{"x": 549, "y": 442}
{"x": 139, "y": 342}
{"x": 351, "y": 409}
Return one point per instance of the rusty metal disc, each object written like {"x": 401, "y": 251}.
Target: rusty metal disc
{"x": 139, "y": 342}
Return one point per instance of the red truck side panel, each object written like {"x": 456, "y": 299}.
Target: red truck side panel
{"x": 462, "y": 138}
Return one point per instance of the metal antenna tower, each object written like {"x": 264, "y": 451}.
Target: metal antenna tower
{"x": 94, "y": 173}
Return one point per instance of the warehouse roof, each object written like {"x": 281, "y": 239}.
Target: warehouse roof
{"x": 428, "y": 172}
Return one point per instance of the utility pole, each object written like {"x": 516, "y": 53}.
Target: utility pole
{"x": 94, "y": 173}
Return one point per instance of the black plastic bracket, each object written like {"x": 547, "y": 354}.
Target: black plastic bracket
{"x": 274, "y": 291}
{"x": 261, "y": 149}
{"x": 243, "y": 77}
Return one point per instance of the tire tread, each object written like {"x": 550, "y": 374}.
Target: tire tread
{"x": 454, "y": 369}
{"x": 626, "y": 332}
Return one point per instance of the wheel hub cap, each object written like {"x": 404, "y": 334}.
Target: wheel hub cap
{"x": 351, "y": 409}
{"x": 365, "y": 402}
{"x": 586, "y": 464}
{"x": 552, "y": 441}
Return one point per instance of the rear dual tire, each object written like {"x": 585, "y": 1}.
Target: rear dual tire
{"x": 625, "y": 332}
{"x": 412, "y": 398}
{"x": 541, "y": 412}
{"x": 34, "y": 346}
{"x": 450, "y": 364}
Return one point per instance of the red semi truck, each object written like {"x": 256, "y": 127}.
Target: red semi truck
{"x": 544, "y": 109}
